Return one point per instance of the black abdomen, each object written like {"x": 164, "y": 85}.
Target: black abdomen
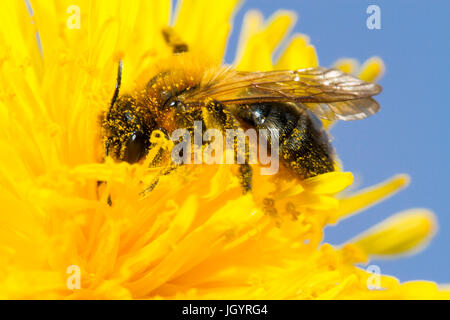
{"x": 303, "y": 145}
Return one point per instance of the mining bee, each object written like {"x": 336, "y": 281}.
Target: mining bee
{"x": 285, "y": 100}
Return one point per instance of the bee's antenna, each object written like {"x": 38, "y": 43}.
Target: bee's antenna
{"x": 118, "y": 82}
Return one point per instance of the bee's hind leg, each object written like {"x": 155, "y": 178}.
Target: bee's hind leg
{"x": 245, "y": 169}
{"x": 245, "y": 176}
{"x": 222, "y": 118}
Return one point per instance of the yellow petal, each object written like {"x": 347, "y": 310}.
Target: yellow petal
{"x": 278, "y": 26}
{"x": 257, "y": 53}
{"x": 399, "y": 234}
{"x": 253, "y": 20}
{"x": 372, "y": 69}
{"x": 205, "y": 25}
{"x": 363, "y": 199}
{"x": 424, "y": 290}
{"x": 336, "y": 290}
{"x": 346, "y": 65}
{"x": 328, "y": 183}
{"x": 298, "y": 55}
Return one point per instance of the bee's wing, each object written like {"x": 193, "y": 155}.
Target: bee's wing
{"x": 329, "y": 93}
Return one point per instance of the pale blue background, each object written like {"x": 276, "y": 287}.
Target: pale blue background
{"x": 411, "y": 133}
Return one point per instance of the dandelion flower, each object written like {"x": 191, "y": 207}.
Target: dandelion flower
{"x": 195, "y": 236}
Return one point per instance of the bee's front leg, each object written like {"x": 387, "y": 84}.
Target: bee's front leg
{"x": 162, "y": 172}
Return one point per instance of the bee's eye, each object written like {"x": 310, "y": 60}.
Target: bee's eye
{"x": 135, "y": 148}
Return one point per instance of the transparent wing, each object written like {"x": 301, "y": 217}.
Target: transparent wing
{"x": 329, "y": 93}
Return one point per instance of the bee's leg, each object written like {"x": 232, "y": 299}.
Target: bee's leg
{"x": 245, "y": 175}
{"x": 113, "y": 101}
{"x": 245, "y": 170}
{"x": 218, "y": 116}
{"x": 155, "y": 181}
{"x": 174, "y": 41}
{"x": 118, "y": 82}
{"x": 99, "y": 183}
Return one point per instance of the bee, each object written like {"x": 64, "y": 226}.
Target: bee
{"x": 290, "y": 101}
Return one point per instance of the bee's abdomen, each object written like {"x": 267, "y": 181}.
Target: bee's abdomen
{"x": 304, "y": 146}
{"x": 306, "y": 149}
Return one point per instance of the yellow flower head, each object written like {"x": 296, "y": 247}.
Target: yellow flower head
{"x": 195, "y": 236}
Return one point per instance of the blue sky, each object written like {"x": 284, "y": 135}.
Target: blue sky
{"x": 411, "y": 133}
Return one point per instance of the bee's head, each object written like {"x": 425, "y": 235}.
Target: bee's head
{"x": 127, "y": 129}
